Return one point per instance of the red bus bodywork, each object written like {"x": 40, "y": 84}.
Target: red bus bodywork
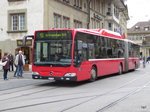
{"x": 83, "y": 72}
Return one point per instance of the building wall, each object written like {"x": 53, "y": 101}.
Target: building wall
{"x": 34, "y": 21}
{"x": 111, "y": 21}
{"x": 123, "y": 22}
{"x": 65, "y": 11}
{"x": 40, "y": 15}
{"x": 140, "y": 34}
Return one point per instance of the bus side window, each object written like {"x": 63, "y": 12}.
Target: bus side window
{"x": 109, "y": 53}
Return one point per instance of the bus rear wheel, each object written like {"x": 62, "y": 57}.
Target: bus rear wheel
{"x": 93, "y": 74}
{"x": 120, "y": 70}
{"x": 135, "y": 66}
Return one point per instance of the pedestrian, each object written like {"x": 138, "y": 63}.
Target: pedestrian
{"x": 11, "y": 60}
{"x": 6, "y": 67}
{"x": 15, "y": 73}
{"x": 144, "y": 62}
{"x": 148, "y": 59}
{"x": 19, "y": 62}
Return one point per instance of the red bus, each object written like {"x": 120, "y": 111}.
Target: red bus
{"x": 81, "y": 54}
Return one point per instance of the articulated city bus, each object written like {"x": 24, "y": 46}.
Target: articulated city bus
{"x": 81, "y": 54}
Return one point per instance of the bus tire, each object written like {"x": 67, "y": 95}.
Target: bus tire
{"x": 93, "y": 74}
{"x": 135, "y": 66}
{"x": 120, "y": 70}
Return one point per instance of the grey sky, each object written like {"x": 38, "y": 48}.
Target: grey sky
{"x": 139, "y": 10}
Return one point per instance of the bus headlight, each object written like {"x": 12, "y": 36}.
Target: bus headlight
{"x": 70, "y": 75}
{"x": 35, "y": 73}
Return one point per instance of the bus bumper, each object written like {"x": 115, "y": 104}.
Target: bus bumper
{"x": 55, "y": 78}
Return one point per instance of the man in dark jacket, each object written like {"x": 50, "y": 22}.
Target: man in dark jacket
{"x": 6, "y": 67}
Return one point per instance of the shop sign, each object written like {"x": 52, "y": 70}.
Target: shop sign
{"x": 97, "y": 16}
{"x": 28, "y": 42}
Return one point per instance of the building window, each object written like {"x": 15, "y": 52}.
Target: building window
{"x": 146, "y": 28}
{"x": 93, "y": 3}
{"x": 116, "y": 12}
{"x": 66, "y": 22}
{"x": 95, "y": 23}
{"x": 110, "y": 26}
{"x": 137, "y": 27}
{"x": 57, "y": 21}
{"x": 77, "y": 24}
{"x": 109, "y": 12}
{"x": 78, "y": 4}
{"x": 17, "y": 22}
{"x": 67, "y": 1}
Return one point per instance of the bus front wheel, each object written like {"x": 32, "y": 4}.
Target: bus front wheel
{"x": 93, "y": 74}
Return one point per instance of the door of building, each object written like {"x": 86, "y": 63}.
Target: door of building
{"x": 27, "y": 56}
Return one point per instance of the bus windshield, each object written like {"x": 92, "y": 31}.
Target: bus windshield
{"x": 53, "y": 48}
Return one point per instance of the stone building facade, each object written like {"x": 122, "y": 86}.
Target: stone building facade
{"x": 140, "y": 34}
{"x": 23, "y": 17}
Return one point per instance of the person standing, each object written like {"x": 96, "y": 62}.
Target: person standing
{"x": 11, "y": 60}
{"x": 144, "y": 62}
{"x": 19, "y": 62}
{"x": 15, "y": 73}
{"x": 6, "y": 67}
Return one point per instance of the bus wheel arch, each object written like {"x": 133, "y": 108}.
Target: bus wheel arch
{"x": 93, "y": 73}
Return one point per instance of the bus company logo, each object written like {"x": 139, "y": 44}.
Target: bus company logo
{"x": 51, "y": 73}
{"x": 41, "y": 35}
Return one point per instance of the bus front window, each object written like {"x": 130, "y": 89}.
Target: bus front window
{"x": 55, "y": 51}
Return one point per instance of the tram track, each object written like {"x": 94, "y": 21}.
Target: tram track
{"x": 122, "y": 98}
{"x": 90, "y": 98}
{"x": 27, "y": 94}
{"x": 106, "y": 93}
{"x": 25, "y": 89}
{"x": 37, "y": 83}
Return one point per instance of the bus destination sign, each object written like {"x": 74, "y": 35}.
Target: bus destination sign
{"x": 43, "y": 35}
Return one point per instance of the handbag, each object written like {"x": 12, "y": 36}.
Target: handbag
{"x": 3, "y": 63}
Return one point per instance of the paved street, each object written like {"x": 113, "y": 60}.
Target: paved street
{"x": 14, "y": 82}
{"x": 119, "y": 93}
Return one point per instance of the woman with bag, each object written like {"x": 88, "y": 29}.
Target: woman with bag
{"x": 6, "y": 66}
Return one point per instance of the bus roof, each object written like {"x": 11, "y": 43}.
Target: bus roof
{"x": 102, "y": 32}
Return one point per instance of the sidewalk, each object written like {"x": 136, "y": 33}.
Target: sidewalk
{"x": 26, "y": 75}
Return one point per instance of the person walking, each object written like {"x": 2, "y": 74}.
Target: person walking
{"x": 19, "y": 62}
{"x": 5, "y": 67}
{"x": 148, "y": 59}
{"x": 11, "y": 60}
{"x": 144, "y": 62}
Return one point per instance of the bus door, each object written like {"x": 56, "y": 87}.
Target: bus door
{"x": 126, "y": 55}
{"x": 81, "y": 59}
